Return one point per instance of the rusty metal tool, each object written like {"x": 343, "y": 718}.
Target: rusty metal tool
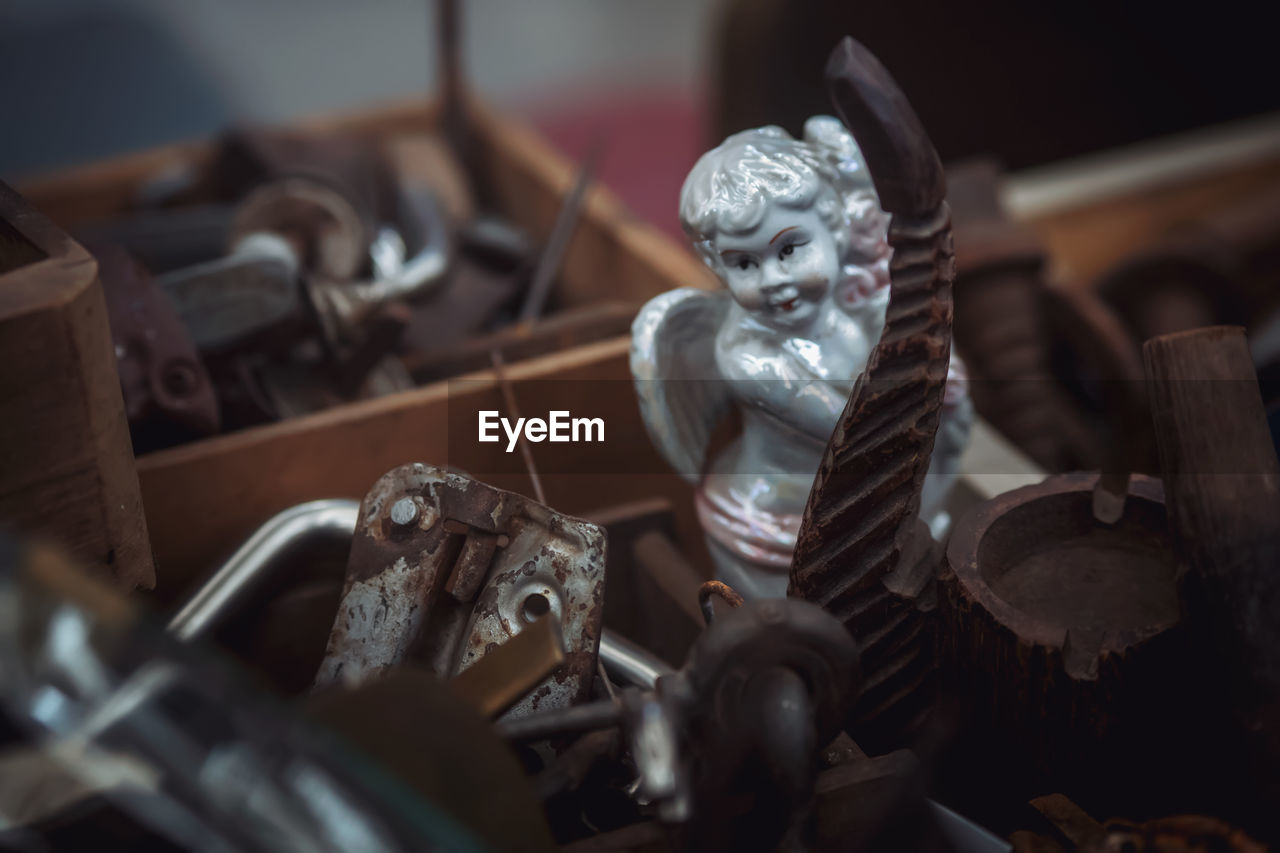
{"x": 165, "y": 385}
{"x": 258, "y": 563}
{"x": 444, "y": 568}
{"x": 252, "y": 291}
{"x": 558, "y": 241}
{"x": 767, "y": 684}
{"x": 504, "y": 675}
{"x": 456, "y": 123}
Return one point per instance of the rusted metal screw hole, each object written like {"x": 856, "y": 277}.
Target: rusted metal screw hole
{"x": 534, "y": 606}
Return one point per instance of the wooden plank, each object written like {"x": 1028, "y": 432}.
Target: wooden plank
{"x": 561, "y": 331}
{"x": 1086, "y": 241}
{"x": 202, "y": 499}
{"x": 66, "y": 464}
{"x": 1093, "y": 211}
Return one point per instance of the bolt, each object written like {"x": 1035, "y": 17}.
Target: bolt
{"x": 180, "y": 378}
{"x": 404, "y": 512}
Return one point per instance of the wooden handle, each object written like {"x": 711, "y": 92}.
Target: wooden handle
{"x": 903, "y": 162}
{"x": 1222, "y": 478}
{"x": 1222, "y": 486}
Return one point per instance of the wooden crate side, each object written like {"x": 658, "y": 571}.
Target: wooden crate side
{"x": 203, "y": 499}
{"x": 1084, "y": 242}
{"x": 66, "y": 464}
{"x": 1093, "y": 211}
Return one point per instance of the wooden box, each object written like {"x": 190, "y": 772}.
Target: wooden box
{"x": 202, "y": 499}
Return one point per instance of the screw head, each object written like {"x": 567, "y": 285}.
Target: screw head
{"x": 180, "y": 378}
{"x": 404, "y": 512}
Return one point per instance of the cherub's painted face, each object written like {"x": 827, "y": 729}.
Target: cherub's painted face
{"x": 781, "y": 270}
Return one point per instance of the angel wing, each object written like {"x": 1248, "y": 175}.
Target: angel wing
{"x": 682, "y": 395}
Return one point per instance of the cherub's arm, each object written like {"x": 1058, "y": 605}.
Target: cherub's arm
{"x": 767, "y": 377}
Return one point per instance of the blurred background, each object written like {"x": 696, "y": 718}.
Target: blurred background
{"x": 660, "y": 80}
{"x": 85, "y": 79}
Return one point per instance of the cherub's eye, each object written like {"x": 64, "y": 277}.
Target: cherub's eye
{"x": 745, "y": 263}
{"x": 790, "y": 248}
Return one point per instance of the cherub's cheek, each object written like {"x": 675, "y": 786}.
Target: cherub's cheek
{"x": 748, "y": 297}
{"x": 812, "y": 277}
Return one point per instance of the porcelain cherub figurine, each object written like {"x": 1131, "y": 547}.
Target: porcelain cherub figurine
{"x": 794, "y": 229}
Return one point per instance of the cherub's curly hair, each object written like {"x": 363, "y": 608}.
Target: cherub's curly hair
{"x": 731, "y": 185}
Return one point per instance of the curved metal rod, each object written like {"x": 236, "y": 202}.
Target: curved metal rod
{"x": 428, "y": 265}
{"x": 261, "y": 556}
{"x": 727, "y": 594}
{"x": 629, "y": 663}
{"x": 258, "y": 560}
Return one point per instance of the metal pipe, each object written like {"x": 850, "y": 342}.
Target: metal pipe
{"x": 558, "y": 242}
{"x": 256, "y": 561}
{"x": 630, "y": 663}
{"x": 259, "y": 559}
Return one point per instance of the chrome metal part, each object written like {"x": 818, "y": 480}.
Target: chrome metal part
{"x": 629, "y": 663}
{"x": 223, "y": 302}
{"x": 387, "y": 252}
{"x": 965, "y": 835}
{"x": 654, "y": 736}
{"x": 331, "y": 234}
{"x": 259, "y": 559}
{"x": 345, "y": 305}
